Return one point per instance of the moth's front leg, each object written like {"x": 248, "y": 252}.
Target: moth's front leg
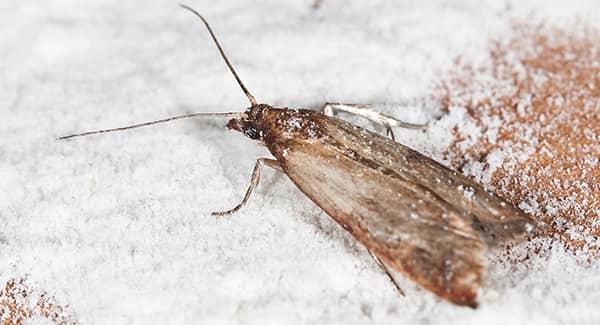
{"x": 387, "y": 272}
{"x": 253, "y": 182}
{"x": 369, "y": 113}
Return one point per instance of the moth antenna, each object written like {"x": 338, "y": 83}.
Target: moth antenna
{"x": 133, "y": 126}
{"x": 239, "y": 81}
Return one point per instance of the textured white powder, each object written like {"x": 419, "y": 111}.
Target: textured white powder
{"x": 118, "y": 226}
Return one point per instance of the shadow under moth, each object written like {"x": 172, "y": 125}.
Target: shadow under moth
{"x": 413, "y": 214}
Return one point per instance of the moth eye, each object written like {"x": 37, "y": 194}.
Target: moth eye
{"x": 251, "y": 132}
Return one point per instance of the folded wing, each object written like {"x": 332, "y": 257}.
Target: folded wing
{"x": 376, "y": 189}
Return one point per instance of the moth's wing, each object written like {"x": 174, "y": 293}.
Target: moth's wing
{"x": 406, "y": 225}
{"x": 497, "y": 220}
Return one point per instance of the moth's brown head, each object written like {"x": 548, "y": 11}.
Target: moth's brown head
{"x": 250, "y": 121}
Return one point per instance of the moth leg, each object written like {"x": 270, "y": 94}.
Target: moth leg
{"x": 389, "y": 132}
{"x": 253, "y": 182}
{"x": 387, "y": 272}
{"x": 367, "y": 112}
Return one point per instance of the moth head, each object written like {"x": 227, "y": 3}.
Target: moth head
{"x": 249, "y": 122}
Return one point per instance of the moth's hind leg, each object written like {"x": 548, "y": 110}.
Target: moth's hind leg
{"x": 387, "y": 272}
{"x": 390, "y": 133}
{"x": 367, "y": 112}
{"x": 253, "y": 182}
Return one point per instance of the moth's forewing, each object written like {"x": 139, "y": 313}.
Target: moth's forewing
{"x": 385, "y": 194}
{"x": 498, "y": 220}
{"x": 405, "y": 225}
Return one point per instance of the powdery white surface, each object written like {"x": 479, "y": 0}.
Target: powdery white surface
{"x": 118, "y": 226}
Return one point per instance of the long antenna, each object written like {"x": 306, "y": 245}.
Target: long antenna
{"x": 149, "y": 123}
{"x": 239, "y": 81}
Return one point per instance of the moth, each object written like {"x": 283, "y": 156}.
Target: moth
{"x": 412, "y": 214}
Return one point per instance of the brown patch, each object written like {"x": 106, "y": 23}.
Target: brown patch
{"x": 19, "y": 303}
{"x": 536, "y": 104}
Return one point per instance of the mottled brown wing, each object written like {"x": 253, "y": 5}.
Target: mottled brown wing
{"x": 498, "y": 220}
{"x": 362, "y": 180}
